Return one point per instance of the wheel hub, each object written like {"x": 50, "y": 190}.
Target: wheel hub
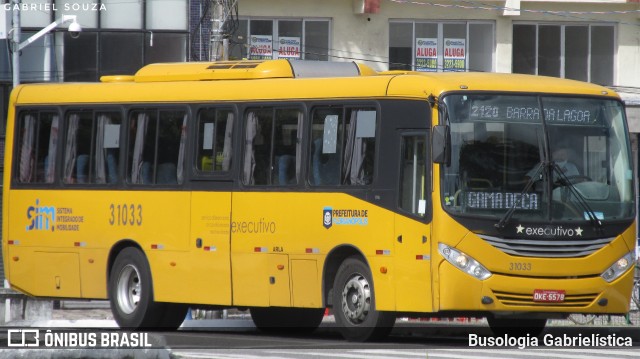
{"x": 356, "y": 299}
{"x": 129, "y": 289}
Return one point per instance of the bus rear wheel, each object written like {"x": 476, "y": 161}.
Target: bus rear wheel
{"x": 295, "y": 320}
{"x": 131, "y": 292}
{"x": 354, "y": 304}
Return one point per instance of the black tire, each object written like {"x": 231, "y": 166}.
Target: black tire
{"x": 292, "y": 320}
{"x": 131, "y": 292}
{"x": 517, "y": 327}
{"x": 354, "y": 305}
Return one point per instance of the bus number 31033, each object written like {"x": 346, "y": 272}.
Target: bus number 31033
{"x": 125, "y": 214}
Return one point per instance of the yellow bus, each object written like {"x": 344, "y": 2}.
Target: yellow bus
{"x": 288, "y": 187}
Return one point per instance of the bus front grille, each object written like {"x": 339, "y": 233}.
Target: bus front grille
{"x": 548, "y": 248}
{"x": 526, "y": 299}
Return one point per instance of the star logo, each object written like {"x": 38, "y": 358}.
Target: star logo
{"x": 520, "y": 228}
{"x": 579, "y": 231}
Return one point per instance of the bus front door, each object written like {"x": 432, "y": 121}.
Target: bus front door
{"x": 412, "y": 228}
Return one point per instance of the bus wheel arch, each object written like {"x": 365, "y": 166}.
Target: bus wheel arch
{"x": 331, "y": 265}
{"x": 115, "y": 250}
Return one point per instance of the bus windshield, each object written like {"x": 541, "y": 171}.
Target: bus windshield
{"x": 542, "y": 158}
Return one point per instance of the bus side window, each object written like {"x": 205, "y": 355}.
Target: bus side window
{"x": 360, "y": 148}
{"x": 108, "y": 148}
{"x": 157, "y": 141}
{"x": 258, "y": 129}
{"x": 286, "y": 147}
{"x": 142, "y": 127}
{"x": 171, "y": 143}
{"x": 326, "y": 151}
{"x": 343, "y": 151}
{"x": 215, "y": 132}
{"x": 272, "y": 147}
{"x": 77, "y": 148}
{"x": 92, "y": 148}
{"x": 37, "y": 147}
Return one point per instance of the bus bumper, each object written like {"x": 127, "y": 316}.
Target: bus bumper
{"x": 459, "y": 291}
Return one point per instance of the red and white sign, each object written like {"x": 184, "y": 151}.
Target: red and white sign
{"x": 289, "y": 47}
{"x": 455, "y": 55}
{"x": 426, "y": 54}
{"x": 260, "y": 47}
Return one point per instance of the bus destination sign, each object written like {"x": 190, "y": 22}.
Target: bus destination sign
{"x": 510, "y": 109}
{"x": 501, "y": 200}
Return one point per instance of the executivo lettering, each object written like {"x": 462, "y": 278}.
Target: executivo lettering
{"x": 550, "y": 231}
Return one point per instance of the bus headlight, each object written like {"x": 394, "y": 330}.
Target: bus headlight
{"x": 619, "y": 267}
{"x": 464, "y": 262}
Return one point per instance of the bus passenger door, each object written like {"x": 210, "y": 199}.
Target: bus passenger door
{"x": 412, "y": 225}
{"x": 209, "y": 245}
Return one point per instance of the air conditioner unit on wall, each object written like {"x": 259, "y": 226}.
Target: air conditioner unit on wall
{"x": 366, "y": 6}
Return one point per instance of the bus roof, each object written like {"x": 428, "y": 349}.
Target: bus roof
{"x": 275, "y": 80}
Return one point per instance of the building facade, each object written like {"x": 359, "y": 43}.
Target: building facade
{"x": 584, "y": 40}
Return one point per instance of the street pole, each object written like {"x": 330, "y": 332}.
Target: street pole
{"x": 216, "y": 51}
{"x": 16, "y": 43}
{"x": 219, "y": 46}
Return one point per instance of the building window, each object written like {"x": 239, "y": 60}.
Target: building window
{"x": 120, "y": 53}
{"x": 257, "y": 39}
{"x": 441, "y": 46}
{"x": 81, "y": 57}
{"x": 578, "y": 52}
{"x": 121, "y": 14}
{"x": 118, "y": 38}
{"x": 165, "y": 47}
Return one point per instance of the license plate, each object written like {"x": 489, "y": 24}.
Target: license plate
{"x": 548, "y": 296}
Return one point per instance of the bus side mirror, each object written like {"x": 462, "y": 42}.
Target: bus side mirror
{"x": 441, "y": 144}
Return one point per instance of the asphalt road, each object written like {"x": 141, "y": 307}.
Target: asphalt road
{"x": 238, "y": 338}
{"x": 408, "y": 340}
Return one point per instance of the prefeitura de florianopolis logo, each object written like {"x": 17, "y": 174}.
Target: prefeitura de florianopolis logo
{"x": 344, "y": 217}
{"x": 327, "y": 219}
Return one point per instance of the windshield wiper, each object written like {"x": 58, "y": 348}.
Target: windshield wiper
{"x": 593, "y": 218}
{"x": 533, "y": 179}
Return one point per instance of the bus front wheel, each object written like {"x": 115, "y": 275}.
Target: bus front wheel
{"x": 354, "y": 304}
{"x": 131, "y": 291}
